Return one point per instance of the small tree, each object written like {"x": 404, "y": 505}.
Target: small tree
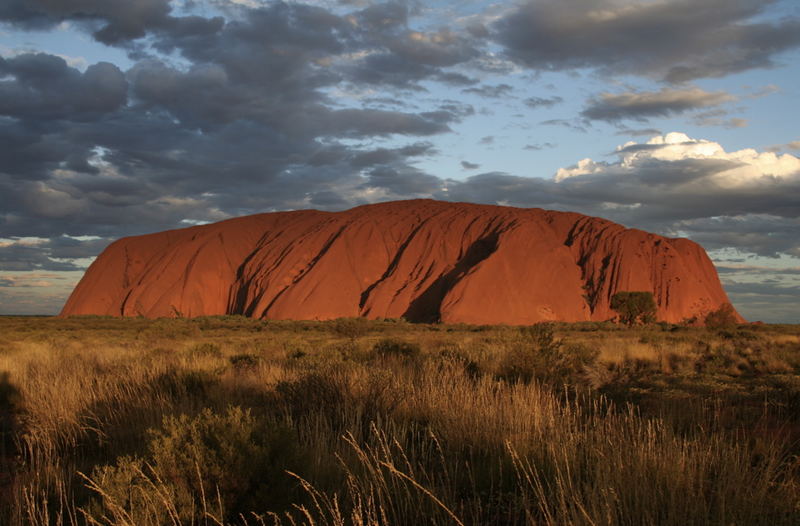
{"x": 722, "y": 318}
{"x": 634, "y": 307}
{"x": 351, "y": 328}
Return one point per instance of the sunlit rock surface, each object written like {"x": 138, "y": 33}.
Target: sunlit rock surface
{"x": 422, "y": 260}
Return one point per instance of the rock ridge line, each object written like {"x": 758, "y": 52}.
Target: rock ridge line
{"x": 423, "y": 260}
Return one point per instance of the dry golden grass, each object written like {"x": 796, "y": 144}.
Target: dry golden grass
{"x": 231, "y": 421}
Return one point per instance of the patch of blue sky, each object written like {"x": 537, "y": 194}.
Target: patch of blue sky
{"x": 77, "y": 47}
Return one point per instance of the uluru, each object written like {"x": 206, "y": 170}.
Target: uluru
{"x": 422, "y": 260}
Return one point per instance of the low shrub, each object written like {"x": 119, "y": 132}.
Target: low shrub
{"x": 538, "y": 354}
{"x": 739, "y": 358}
{"x": 244, "y": 362}
{"x": 227, "y": 462}
{"x": 350, "y": 328}
{"x": 454, "y": 355}
{"x": 722, "y": 318}
{"x": 206, "y": 349}
{"x": 391, "y": 347}
{"x": 185, "y": 384}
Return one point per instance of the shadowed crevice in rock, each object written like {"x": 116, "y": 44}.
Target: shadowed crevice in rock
{"x": 426, "y": 308}
{"x": 304, "y": 271}
{"x": 390, "y": 270}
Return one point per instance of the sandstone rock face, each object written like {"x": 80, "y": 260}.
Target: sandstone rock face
{"x": 422, "y": 260}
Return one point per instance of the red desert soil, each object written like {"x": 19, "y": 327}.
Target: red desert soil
{"x": 422, "y": 260}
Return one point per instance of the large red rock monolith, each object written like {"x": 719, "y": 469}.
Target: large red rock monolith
{"x": 422, "y": 260}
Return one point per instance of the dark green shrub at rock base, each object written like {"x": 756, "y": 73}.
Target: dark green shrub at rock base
{"x": 634, "y": 307}
{"x": 230, "y": 462}
{"x": 350, "y": 328}
{"x": 724, "y": 318}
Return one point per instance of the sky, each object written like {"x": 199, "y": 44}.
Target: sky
{"x": 125, "y": 117}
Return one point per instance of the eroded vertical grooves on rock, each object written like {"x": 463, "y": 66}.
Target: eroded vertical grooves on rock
{"x": 427, "y": 307}
{"x": 423, "y": 260}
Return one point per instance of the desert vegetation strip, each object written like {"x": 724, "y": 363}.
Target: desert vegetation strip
{"x": 229, "y": 420}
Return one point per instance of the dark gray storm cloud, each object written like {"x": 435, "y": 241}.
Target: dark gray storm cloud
{"x": 574, "y": 124}
{"x": 543, "y": 102}
{"x": 675, "y": 41}
{"x": 401, "y": 57}
{"x": 492, "y": 92}
{"x": 637, "y": 132}
{"x": 718, "y": 117}
{"x": 675, "y": 186}
{"x": 243, "y": 120}
{"x": 54, "y": 254}
{"x": 754, "y": 225}
{"x": 112, "y": 21}
{"x": 539, "y": 146}
{"x": 775, "y": 302}
{"x": 386, "y": 156}
{"x": 44, "y": 87}
{"x": 405, "y": 181}
{"x": 289, "y": 105}
{"x": 613, "y": 107}
{"x": 774, "y": 274}
{"x": 763, "y": 234}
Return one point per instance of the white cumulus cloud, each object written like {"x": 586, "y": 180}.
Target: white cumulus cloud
{"x": 736, "y": 168}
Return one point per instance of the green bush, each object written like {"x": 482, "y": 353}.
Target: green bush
{"x": 182, "y": 384}
{"x": 244, "y": 362}
{"x": 390, "y": 347}
{"x": 350, "y": 328}
{"x": 538, "y": 354}
{"x": 340, "y": 400}
{"x": 228, "y": 461}
{"x": 743, "y": 355}
{"x": 634, "y": 307}
{"x": 724, "y": 318}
